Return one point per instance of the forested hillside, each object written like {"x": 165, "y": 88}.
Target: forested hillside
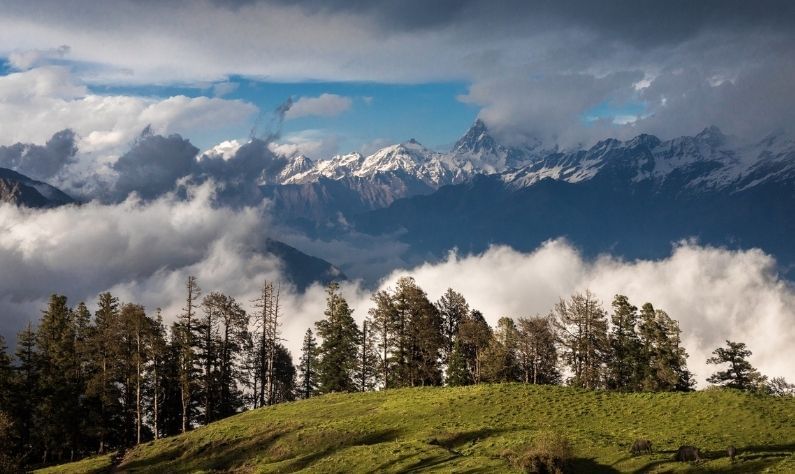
{"x": 80, "y": 384}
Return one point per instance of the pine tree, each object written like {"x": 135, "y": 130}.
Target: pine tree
{"x": 384, "y": 323}
{"x": 234, "y": 333}
{"x": 499, "y": 358}
{"x": 26, "y": 386}
{"x": 740, "y": 374}
{"x": 207, "y": 358}
{"x": 159, "y": 354}
{"x": 662, "y": 359}
{"x": 475, "y": 335}
{"x": 283, "y": 375}
{"x": 453, "y": 308}
{"x": 102, "y": 388}
{"x": 6, "y": 376}
{"x": 458, "y": 373}
{"x": 419, "y": 336}
{"x": 581, "y": 324}
{"x": 337, "y": 351}
{"x": 307, "y": 367}
{"x": 537, "y": 353}
{"x": 57, "y": 414}
{"x": 267, "y": 322}
{"x": 625, "y": 370}
{"x": 186, "y": 341}
{"x": 366, "y": 360}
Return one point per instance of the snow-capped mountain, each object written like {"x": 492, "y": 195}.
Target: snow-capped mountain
{"x": 709, "y": 160}
{"x": 478, "y": 151}
{"x": 633, "y": 198}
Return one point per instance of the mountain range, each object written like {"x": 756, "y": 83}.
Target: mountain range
{"x": 634, "y": 198}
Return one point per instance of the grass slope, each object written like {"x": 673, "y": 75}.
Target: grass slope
{"x": 469, "y": 429}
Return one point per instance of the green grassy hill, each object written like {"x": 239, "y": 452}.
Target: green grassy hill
{"x": 472, "y": 429}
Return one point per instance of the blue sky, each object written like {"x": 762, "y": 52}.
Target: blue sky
{"x": 429, "y": 113}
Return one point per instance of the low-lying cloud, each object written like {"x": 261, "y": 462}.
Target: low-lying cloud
{"x": 144, "y": 251}
{"x": 716, "y": 294}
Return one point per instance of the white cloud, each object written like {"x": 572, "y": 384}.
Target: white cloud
{"x": 316, "y": 144}
{"x": 35, "y": 104}
{"x": 324, "y": 105}
{"x": 143, "y": 253}
{"x": 33, "y": 57}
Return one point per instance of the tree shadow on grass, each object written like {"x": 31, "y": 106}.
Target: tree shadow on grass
{"x": 365, "y": 439}
{"x": 209, "y": 455}
{"x": 750, "y": 458}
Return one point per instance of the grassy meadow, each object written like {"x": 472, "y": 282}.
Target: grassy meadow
{"x": 477, "y": 429}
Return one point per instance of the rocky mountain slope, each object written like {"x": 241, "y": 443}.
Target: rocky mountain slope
{"x": 20, "y": 190}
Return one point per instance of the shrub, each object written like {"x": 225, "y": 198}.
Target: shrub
{"x": 549, "y": 453}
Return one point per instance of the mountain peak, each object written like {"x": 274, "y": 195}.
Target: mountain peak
{"x": 712, "y": 135}
{"x": 476, "y": 140}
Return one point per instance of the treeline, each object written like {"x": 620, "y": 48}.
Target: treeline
{"x": 79, "y": 383}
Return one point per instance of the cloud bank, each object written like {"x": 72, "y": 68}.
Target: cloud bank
{"x": 143, "y": 251}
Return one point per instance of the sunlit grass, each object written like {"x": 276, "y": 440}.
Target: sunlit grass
{"x": 470, "y": 429}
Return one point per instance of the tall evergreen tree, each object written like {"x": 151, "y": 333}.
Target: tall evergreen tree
{"x": 419, "y": 336}
{"x": 475, "y": 335}
{"x": 581, "y": 324}
{"x": 57, "y": 413}
{"x": 367, "y": 367}
{"x": 500, "y": 359}
{"x": 159, "y": 375}
{"x": 384, "y": 323}
{"x": 624, "y": 367}
{"x": 102, "y": 388}
{"x": 26, "y": 387}
{"x": 186, "y": 343}
{"x": 739, "y": 374}
{"x": 337, "y": 351}
{"x": 458, "y": 373}
{"x": 453, "y": 309}
{"x": 233, "y": 334}
{"x": 537, "y": 353}
{"x": 307, "y": 366}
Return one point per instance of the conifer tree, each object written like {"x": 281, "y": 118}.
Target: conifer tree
{"x": 475, "y": 335}
{"x": 337, "y": 353}
{"x": 739, "y": 374}
{"x": 366, "y": 360}
{"x": 186, "y": 342}
{"x": 26, "y": 385}
{"x": 384, "y": 322}
{"x": 537, "y": 353}
{"x": 159, "y": 378}
{"x": 418, "y": 338}
{"x": 499, "y": 358}
{"x": 233, "y": 334}
{"x": 102, "y": 385}
{"x": 453, "y": 308}
{"x": 625, "y": 369}
{"x": 307, "y": 366}
{"x": 6, "y": 376}
{"x": 458, "y": 373}
{"x": 581, "y": 324}
{"x": 57, "y": 413}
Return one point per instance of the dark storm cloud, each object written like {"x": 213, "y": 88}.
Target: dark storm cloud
{"x": 37, "y": 161}
{"x": 645, "y": 23}
{"x": 153, "y": 165}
